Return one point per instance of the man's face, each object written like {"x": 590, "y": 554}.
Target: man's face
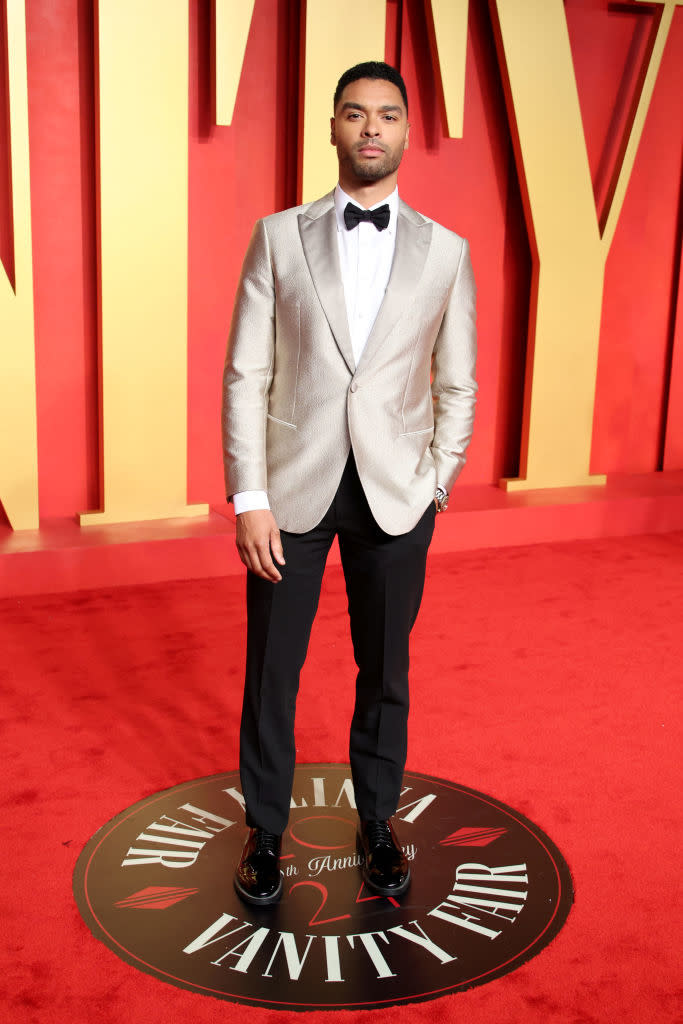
{"x": 370, "y": 130}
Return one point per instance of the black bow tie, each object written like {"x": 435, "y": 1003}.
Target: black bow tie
{"x": 353, "y": 215}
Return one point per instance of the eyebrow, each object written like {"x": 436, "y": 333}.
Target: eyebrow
{"x": 384, "y": 109}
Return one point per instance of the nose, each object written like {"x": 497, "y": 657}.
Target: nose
{"x": 372, "y": 128}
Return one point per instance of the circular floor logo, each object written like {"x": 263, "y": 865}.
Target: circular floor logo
{"x": 489, "y": 891}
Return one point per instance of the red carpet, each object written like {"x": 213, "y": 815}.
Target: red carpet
{"x": 546, "y": 676}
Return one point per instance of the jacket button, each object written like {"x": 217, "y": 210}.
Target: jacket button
{"x": 354, "y": 387}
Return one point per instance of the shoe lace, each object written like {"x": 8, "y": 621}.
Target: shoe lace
{"x": 379, "y": 833}
{"x": 265, "y": 842}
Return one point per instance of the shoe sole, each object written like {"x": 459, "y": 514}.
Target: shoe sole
{"x": 383, "y": 890}
{"x": 258, "y": 901}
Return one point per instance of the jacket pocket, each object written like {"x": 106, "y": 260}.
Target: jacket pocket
{"x": 416, "y": 433}
{"x": 282, "y": 423}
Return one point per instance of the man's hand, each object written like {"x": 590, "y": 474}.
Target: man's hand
{"x": 258, "y": 543}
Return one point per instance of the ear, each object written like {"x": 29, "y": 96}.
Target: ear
{"x": 405, "y": 144}
{"x": 333, "y": 137}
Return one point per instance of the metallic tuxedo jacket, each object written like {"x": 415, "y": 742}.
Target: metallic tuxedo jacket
{"x": 294, "y": 401}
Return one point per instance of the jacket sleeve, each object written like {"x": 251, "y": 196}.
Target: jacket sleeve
{"x": 454, "y": 386}
{"x": 249, "y": 371}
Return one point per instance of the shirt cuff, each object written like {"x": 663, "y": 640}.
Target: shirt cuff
{"x": 250, "y": 501}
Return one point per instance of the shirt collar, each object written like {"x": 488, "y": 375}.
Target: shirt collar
{"x": 341, "y": 199}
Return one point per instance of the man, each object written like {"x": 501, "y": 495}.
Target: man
{"x": 348, "y": 405}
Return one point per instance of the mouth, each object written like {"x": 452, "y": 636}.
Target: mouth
{"x": 371, "y": 151}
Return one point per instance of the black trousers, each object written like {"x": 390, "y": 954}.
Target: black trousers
{"x": 384, "y": 583}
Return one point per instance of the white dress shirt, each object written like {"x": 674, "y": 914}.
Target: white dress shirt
{"x": 365, "y": 257}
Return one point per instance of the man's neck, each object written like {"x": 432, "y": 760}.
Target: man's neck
{"x": 369, "y": 193}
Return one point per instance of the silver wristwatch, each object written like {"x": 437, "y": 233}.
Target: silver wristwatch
{"x": 441, "y": 499}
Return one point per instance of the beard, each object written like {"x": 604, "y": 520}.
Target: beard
{"x": 373, "y": 169}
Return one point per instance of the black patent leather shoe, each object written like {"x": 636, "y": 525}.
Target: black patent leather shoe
{"x": 257, "y": 879}
{"x": 385, "y": 869}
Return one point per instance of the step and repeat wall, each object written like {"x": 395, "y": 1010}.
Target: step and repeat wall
{"x": 142, "y": 140}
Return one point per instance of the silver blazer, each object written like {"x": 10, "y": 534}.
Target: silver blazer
{"x": 294, "y": 401}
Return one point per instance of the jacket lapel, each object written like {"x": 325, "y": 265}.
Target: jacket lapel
{"x": 413, "y": 238}
{"x": 318, "y": 231}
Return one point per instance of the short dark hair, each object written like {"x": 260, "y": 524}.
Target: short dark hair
{"x": 371, "y": 69}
